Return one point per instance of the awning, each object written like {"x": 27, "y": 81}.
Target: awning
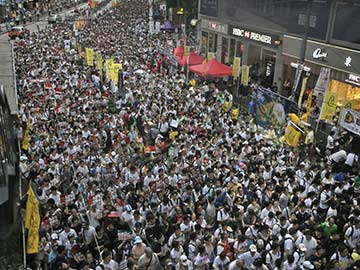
{"x": 194, "y": 59}
{"x": 212, "y": 68}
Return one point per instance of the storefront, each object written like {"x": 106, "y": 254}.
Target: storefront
{"x": 213, "y": 34}
{"x": 342, "y": 62}
{"x": 259, "y": 50}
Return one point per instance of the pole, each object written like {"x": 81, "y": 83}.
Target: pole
{"x": 22, "y": 220}
{"x": 302, "y": 50}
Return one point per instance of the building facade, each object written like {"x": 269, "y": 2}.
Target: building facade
{"x": 267, "y": 35}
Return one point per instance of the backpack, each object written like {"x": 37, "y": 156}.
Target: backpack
{"x": 282, "y": 244}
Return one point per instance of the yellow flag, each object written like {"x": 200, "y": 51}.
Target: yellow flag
{"x": 227, "y": 106}
{"x": 109, "y": 67}
{"x": 236, "y": 67}
{"x": 292, "y": 136}
{"x": 187, "y": 54}
{"x": 26, "y": 138}
{"x": 115, "y": 72}
{"x": 99, "y": 61}
{"x": 32, "y": 222}
{"x": 329, "y": 106}
{"x": 210, "y": 55}
{"x": 173, "y": 134}
{"x": 79, "y": 48}
{"x": 308, "y": 102}
{"x": 89, "y": 57}
{"x": 245, "y": 74}
{"x": 235, "y": 114}
{"x": 204, "y": 68}
{"x": 303, "y": 88}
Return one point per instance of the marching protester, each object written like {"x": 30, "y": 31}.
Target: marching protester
{"x": 158, "y": 174}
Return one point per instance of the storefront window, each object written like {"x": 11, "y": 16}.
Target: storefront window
{"x": 232, "y": 51}
{"x": 212, "y": 42}
{"x": 204, "y": 42}
{"x": 346, "y": 92}
{"x": 239, "y": 49}
{"x": 225, "y": 50}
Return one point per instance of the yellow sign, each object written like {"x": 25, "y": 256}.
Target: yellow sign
{"x": 115, "y": 72}
{"x": 236, "y": 67}
{"x": 303, "y": 88}
{"x": 347, "y": 104}
{"x": 292, "y": 136}
{"x": 109, "y": 67}
{"x": 187, "y": 54}
{"x": 204, "y": 68}
{"x": 99, "y": 61}
{"x": 32, "y": 222}
{"x": 245, "y": 75}
{"x": 79, "y": 48}
{"x": 26, "y": 138}
{"x": 329, "y": 106}
{"x": 309, "y": 102}
{"x": 210, "y": 55}
{"x": 235, "y": 114}
{"x": 89, "y": 56}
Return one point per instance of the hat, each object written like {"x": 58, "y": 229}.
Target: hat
{"x": 184, "y": 260}
{"x": 308, "y": 265}
{"x": 253, "y": 248}
{"x": 229, "y": 229}
{"x": 302, "y": 247}
{"x": 138, "y": 240}
{"x": 54, "y": 236}
{"x": 246, "y": 142}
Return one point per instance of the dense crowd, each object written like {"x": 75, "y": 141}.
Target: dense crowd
{"x": 162, "y": 174}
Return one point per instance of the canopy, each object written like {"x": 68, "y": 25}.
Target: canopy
{"x": 194, "y": 59}
{"x": 179, "y": 51}
{"x": 212, "y": 68}
{"x": 168, "y": 25}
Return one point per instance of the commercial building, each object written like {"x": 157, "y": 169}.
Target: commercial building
{"x": 267, "y": 35}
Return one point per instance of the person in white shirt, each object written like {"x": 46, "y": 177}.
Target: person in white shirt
{"x": 273, "y": 255}
{"x": 184, "y": 264}
{"x": 352, "y": 235}
{"x": 108, "y": 263}
{"x": 221, "y": 261}
{"x": 309, "y": 242}
{"x": 63, "y": 237}
{"x": 351, "y": 160}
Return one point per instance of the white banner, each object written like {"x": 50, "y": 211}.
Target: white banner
{"x": 157, "y": 27}
{"x": 350, "y": 120}
{"x": 323, "y": 81}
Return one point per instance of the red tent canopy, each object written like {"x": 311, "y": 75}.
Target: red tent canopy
{"x": 212, "y": 68}
{"x": 179, "y": 51}
{"x": 194, "y": 59}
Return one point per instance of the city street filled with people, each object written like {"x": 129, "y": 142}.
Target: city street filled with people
{"x": 165, "y": 172}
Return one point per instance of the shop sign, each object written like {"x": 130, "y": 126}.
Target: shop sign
{"x": 350, "y": 120}
{"x": 214, "y": 26}
{"x": 260, "y": 37}
{"x": 320, "y": 54}
{"x": 353, "y": 79}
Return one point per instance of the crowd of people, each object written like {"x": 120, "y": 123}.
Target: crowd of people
{"x": 161, "y": 174}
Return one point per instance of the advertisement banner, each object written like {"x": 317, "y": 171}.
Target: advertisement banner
{"x": 99, "y": 61}
{"x": 115, "y": 72}
{"x": 89, "y": 57}
{"x": 32, "y": 222}
{"x": 236, "y": 67}
{"x": 346, "y": 104}
{"x": 303, "y": 88}
{"x": 109, "y": 66}
{"x": 329, "y": 106}
{"x": 323, "y": 81}
{"x": 245, "y": 75}
{"x": 350, "y": 120}
{"x": 271, "y": 109}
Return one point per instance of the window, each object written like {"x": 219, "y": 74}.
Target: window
{"x": 347, "y": 22}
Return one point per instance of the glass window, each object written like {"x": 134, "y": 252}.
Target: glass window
{"x": 212, "y": 42}
{"x": 239, "y": 49}
{"x": 347, "y": 23}
{"x": 232, "y": 51}
{"x": 225, "y": 50}
{"x": 204, "y": 42}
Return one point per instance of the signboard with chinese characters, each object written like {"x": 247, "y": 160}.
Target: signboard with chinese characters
{"x": 350, "y": 120}
{"x": 256, "y": 36}
{"x": 209, "y": 7}
{"x": 214, "y": 26}
{"x": 328, "y": 55}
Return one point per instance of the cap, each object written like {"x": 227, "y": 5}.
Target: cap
{"x": 253, "y": 248}
{"x": 302, "y": 247}
{"x": 184, "y": 260}
{"x": 54, "y": 236}
{"x": 138, "y": 240}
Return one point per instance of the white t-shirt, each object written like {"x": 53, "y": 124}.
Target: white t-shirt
{"x": 112, "y": 265}
{"x": 351, "y": 158}
{"x": 338, "y": 156}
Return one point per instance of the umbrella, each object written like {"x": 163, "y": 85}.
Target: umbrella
{"x": 168, "y": 25}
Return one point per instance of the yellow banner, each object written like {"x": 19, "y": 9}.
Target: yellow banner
{"x": 109, "y": 67}
{"x": 115, "y": 72}
{"x": 346, "y": 104}
{"x": 114, "y": 3}
{"x": 292, "y": 136}
{"x": 329, "y": 106}
{"x": 32, "y": 222}
{"x": 236, "y": 67}
{"x": 235, "y": 114}
{"x": 210, "y": 55}
{"x": 303, "y": 88}
{"x": 308, "y": 102}
{"x": 99, "y": 61}
{"x": 245, "y": 75}
{"x": 79, "y": 48}
{"x": 204, "y": 68}
{"x": 89, "y": 56}
{"x": 187, "y": 54}
{"x": 26, "y": 138}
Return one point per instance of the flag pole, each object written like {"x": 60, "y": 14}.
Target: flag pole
{"x": 22, "y": 219}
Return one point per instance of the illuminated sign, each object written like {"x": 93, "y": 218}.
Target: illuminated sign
{"x": 353, "y": 79}
{"x": 264, "y": 38}
{"x": 320, "y": 54}
{"x": 214, "y": 26}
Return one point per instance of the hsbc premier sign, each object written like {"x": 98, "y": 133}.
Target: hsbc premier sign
{"x": 269, "y": 39}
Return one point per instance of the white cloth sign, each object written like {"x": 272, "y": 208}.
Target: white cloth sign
{"x": 350, "y": 120}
